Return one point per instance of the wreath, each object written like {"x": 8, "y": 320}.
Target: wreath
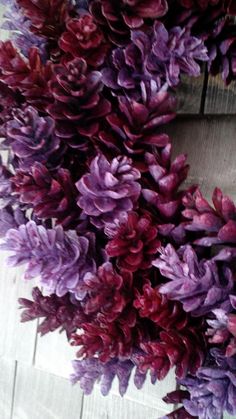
{"x": 136, "y": 268}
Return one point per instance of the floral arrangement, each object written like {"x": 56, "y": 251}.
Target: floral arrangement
{"x": 137, "y": 270}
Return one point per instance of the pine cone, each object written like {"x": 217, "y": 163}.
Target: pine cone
{"x": 213, "y": 390}
{"x": 134, "y": 242}
{"x": 161, "y": 55}
{"x": 51, "y": 196}
{"x": 118, "y": 18}
{"x": 30, "y": 76}
{"x": 107, "y": 293}
{"x": 161, "y": 188}
{"x": 155, "y": 306}
{"x": 132, "y": 128}
{"x": 199, "y": 285}
{"x": 222, "y": 50}
{"x": 58, "y": 312}
{"x": 212, "y": 225}
{"x": 60, "y": 259}
{"x": 109, "y": 190}
{"x": 47, "y": 16}
{"x": 184, "y": 350}
{"x": 83, "y": 39}
{"x": 11, "y": 217}
{"x": 31, "y": 137}
{"x": 78, "y": 104}
{"x": 90, "y": 370}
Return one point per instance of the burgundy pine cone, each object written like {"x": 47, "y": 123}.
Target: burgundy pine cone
{"x": 120, "y": 16}
{"x": 78, "y": 104}
{"x": 84, "y": 39}
{"x": 51, "y": 196}
{"x": 134, "y": 242}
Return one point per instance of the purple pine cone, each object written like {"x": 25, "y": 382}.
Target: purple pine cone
{"x": 10, "y": 218}
{"x": 31, "y": 137}
{"x": 109, "y": 190}
{"x": 160, "y": 56}
{"x": 19, "y": 25}
{"x": 60, "y": 259}
{"x": 5, "y": 186}
{"x": 199, "y": 285}
{"x": 213, "y": 390}
{"x": 88, "y": 371}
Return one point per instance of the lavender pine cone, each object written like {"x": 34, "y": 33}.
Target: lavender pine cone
{"x": 199, "y": 285}
{"x": 31, "y": 137}
{"x": 213, "y": 390}
{"x": 61, "y": 259}
{"x": 109, "y": 190}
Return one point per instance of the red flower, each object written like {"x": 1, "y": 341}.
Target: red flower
{"x": 83, "y": 39}
{"x": 134, "y": 242}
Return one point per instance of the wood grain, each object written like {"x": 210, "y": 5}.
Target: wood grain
{"x": 189, "y": 94}
{"x": 17, "y": 340}
{"x": 7, "y": 377}
{"x": 113, "y": 407}
{"x": 220, "y": 99}
{"x": 40, "y": 395}
{"x": 210, "y": 143}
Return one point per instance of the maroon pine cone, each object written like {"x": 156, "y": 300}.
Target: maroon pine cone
{"x": 134, "y": 242}
{"x": 114, "y": 328}
{"x": 47, "y": 16}
{"x": 156, "y": 307}
{"x": 161, "y": 190}
{"x": 51, "y": 196}
{"x": 78, "y": 104}
{"x": 133, "y": 126}
{"x": 84, "y": 39}
{"x": 107, "y": 293}
{"x": 184, "y": 350}
{"x": 58, "y": 312}
{"x": 30, "y": 76}
{"x": 119, "y": 17}
{"x": 212, "y": 225}
{"x": 222, "y": 50}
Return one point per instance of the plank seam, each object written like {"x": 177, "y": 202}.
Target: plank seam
{"x": 204, "y": 91}
{"x": 14, "y": 390}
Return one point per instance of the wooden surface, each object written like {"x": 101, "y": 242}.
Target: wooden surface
{"x": 34, "y": 371}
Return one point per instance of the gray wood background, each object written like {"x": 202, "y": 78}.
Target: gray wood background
{"x": 34, "y": 371}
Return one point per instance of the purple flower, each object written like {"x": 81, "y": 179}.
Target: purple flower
{"x": 199, "y": 285}
{"x": 88, "y": 371}
{"x": 109, "y": 190}
{"x": 60, "y": 259}
{"x": 31, "y": 137}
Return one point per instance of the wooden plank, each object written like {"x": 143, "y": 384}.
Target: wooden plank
{"x": 97, "y": 406}
{"x": 40, "y": 395}
{"x": 17, "y": 340}
{"x": 7, "y": 377}
{"x": 211, "y": 148}
{"x": 220, "y": 99}
{"x": 189, "y": 94}
{"x": 150, "y": 395}
{"x": 54, "y": 354}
